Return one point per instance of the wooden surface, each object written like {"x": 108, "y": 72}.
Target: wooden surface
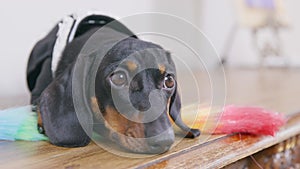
{"x": 275, "y": 89}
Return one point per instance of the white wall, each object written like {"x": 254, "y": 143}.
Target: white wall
{"x": 25, "y": 22}
{"x": 291, "y": 37}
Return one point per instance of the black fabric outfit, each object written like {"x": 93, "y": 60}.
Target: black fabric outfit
{"x": 41, "y": 65}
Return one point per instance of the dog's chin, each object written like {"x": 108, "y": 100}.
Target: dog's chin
{"x": 137, "y": 145}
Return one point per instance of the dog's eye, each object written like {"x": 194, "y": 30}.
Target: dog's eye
{"x": 118, "y": 78}
{"x": 169, "y": 81}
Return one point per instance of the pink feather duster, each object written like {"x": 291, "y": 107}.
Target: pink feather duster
{"x": 252, "y": 120}
{"x": 234, "y": 119}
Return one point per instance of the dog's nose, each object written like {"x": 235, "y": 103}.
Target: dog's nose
{"x": 144, "y": 106}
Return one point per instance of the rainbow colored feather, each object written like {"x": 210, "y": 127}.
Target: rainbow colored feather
{"x": 19, "y": 124}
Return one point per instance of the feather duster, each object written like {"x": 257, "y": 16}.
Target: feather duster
{"x": 21, "y": 123}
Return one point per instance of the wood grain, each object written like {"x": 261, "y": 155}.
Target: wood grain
{"x": 275, "y": 89}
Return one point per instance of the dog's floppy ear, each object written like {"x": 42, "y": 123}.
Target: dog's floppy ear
{"x": 59, "y": 118}
{"x": 175, "y": 107}
{"x": 174, "y": 110}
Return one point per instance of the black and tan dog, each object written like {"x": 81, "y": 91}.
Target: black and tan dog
{"x": 121, "y": 75}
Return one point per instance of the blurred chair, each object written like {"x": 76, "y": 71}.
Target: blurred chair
{"x": 265, "y": 19}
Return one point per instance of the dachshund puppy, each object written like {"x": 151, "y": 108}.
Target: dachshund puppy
{"x": 135, "y": 94}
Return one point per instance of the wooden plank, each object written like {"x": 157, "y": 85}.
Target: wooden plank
{"x": 42, "y": 154}
{"x": 221, "y": 152}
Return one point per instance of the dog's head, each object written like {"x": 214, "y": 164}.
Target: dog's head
{"x": 136, "y": 91}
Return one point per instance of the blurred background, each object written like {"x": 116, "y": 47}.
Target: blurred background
{"x": 245, "y": 33}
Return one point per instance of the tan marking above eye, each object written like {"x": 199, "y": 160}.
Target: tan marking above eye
{"x": 161, "y": 68}
{"x": 131, "y": 65}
